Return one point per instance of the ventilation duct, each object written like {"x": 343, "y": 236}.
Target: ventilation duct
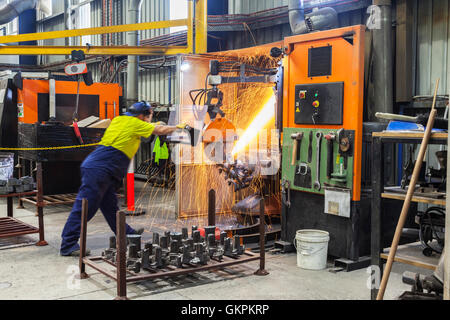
{"x": 13, "y": 9}
{"x": 322, "y": 19}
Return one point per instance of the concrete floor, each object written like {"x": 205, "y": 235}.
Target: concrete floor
{"x": 31, "y": 272}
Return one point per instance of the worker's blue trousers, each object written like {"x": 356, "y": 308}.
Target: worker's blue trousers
{"x": 99, "y": 187}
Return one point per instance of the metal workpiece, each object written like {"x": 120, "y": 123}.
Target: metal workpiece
{"x": 196, "y": 236}
{"x": 176, "y": 236}
{"x": 184, "y": 233}
{"x": 155, "y": 239}
{"x": 223, "y": 236}
{"x": 112, "y": 242}
{"x": 158, "y": 262}
{"x": 163, "y": 242}
{"x": 209, "y": 230}
{"x": 174, "y": 246}
{"x": 135, "y": 239}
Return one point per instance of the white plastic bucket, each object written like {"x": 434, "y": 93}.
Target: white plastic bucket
{"x": 312, "y": 249}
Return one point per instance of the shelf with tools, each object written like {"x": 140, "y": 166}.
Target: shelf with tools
{"x": 407, "y": 253}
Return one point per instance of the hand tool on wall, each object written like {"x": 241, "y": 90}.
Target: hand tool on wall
{"x": 317, "y": 185}
{"x": 310, "y": 147}
{"x": 409, "y": 195}
{"x": 303, "y": 176}
{"x": 297, "y": 143}
{"x": 439, "y": 123}
{"x": 331, "y": 137}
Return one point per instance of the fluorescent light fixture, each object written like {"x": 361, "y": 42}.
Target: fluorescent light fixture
{"x": 185, "y": 66}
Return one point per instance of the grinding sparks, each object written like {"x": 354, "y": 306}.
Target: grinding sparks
{"x": 264, "y": 116}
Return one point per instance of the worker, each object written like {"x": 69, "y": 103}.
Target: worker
{"x": 104, "y": 169}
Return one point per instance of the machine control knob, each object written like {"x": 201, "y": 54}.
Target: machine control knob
{"x": 316, "y": 104}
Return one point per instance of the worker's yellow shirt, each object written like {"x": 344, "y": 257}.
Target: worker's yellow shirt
{"x": 125, "y": 132}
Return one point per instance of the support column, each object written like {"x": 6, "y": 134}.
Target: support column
{"x": 382, "y": 61}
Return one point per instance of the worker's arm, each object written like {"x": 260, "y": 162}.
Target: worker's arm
{"x": 164, "y": 130}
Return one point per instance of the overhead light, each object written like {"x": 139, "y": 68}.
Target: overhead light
{"x": 185, "y": 66}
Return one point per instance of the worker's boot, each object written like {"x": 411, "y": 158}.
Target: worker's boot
{"x": 76, "y": 253}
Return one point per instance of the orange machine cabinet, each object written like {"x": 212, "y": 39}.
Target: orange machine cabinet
{"x": 333, "y": 59}
{"x": 99, "y": 99}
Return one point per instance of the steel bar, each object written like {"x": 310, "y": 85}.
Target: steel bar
{"x": 94, "y": 31}
{"x": 9, "y": 205}
{"x": 201, "y": 26}
{"x": 262, "y": 241}
{"x": 178, "y": 272}
{"x": 90, "y": 262}
{"x": 446, "y": 252}
{"x": 39, "y": 205}
{"x": 409, "y": 194}
{"x": 212, "y": 207}
{"x": 94, "y": 50}
{"x": 84, "y": 214}
{"x": 376, "y": 211}
{"x": 10, "y": 227}
{"x": 121, "y": 246}
{"x": 21, "y": 194}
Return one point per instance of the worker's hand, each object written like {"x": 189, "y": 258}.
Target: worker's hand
{"x": 181, "y": 125}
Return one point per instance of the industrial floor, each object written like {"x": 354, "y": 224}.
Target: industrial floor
{"x": 31, "y": 272}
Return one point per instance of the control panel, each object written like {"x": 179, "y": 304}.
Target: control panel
{"x": 319, "y": 103}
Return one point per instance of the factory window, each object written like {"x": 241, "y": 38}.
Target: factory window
{"x": 178, "y": 10}
{"x": 84, "y": 21}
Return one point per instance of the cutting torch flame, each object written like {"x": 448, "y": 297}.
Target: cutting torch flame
{"x": 266, "y": 114}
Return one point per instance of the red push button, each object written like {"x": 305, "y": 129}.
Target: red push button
{"x": 302, "y": 94}
{"x": 316, "y": 104}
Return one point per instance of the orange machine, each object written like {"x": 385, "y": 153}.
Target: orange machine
{"x": 323, "y": 85}
{"x": 99, "y": 99}
{"x": 346, "y": 49}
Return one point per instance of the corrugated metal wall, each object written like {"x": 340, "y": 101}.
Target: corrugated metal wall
{"x": 237, "y": 40}
{"x": 153, "y": 84}
{"x": 433, "y": 32}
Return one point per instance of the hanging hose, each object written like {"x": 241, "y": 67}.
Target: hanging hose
{"x": 429, "y": 224}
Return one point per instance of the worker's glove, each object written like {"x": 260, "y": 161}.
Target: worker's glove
{"x": 160, "y": 123}
{"x": 181, "y": 125}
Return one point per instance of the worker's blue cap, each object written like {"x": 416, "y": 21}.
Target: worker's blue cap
{"x": 141, "y": 107}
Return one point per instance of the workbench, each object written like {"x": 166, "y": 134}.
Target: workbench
{"x": 407, "y": 253}
{"x": 12, "y": 227}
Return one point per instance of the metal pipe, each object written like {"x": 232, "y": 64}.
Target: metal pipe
{"x": 132, "y": 38}
{"x": 297, "y": 16}
{"x": 322, "y": 19}
{"x": 382, "y": 60}
{"x": 13, "y": 9}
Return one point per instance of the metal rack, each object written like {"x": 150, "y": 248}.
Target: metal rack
{"x": 122, "y": 276}
{"x": 12, "y": 227}
{"x": 409, "y": 253}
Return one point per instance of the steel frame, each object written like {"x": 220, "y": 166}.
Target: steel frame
{"x": 196, "y": 43}
{"x": 12, "y": 227}
{"x": 122, "y": 275}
